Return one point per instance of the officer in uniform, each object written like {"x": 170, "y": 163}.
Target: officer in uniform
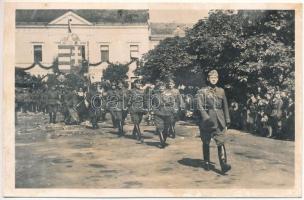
{"x": 81, "y": 106}
{"x": 43, "y": 97}
{"x": 162, "y": 107}
{"x": 70, "y": 101}
{"x": 95, "y": 102}
{"x": 52, "y": 104}
{"x": 115, "y": 106}
{"x": 175, "y": 97}
{"x": 214, "y": 118}
{"x": 109, "y": 96}
{"x": 137, "y": 105}
{"x": 124, "y": 91}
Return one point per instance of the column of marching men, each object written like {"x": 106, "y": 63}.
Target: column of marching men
{"x": 163, "y": 105}
{"x": 268, "y": 114}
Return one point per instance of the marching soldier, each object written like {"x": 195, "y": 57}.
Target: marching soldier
{"x": 52, "y": 104}
{"x": 44, "y": 99}
{"x": 81, "y": 106}
{"x": 124, "y": 91}
{"x": 115, "y": 106}
{"x": 70, "y": 102}
{"x": 110, "y": 94}
{"x": 177, "y": 101}
{"x": 95, "y": 102}
{"x": 102, "y": 91}
{"x": 162, "y": 107}
{"x": 214, "y": 118}
{"x": 137, "y": 105}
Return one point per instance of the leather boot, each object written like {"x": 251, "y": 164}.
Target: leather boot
{"x": 165, "y": 135}
{"x": 139, "y": 134}
{"x": 223, "y": 158}
{"x": 134, "y": 131}
{"x": 173, "y": 131}
{"x": 54, "y": 118}
{"x": 51, "y": 117}
{"x": 119, "y": 128}
{"x": 206, "y": 154}
{"x": 161, "y": 138}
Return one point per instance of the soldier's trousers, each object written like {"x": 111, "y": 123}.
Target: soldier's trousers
{"x": 162, "y": 122}
{"x": 117, "y": 118}
{"x": 52, "y": 110}
{"x": 124, "y": 115}
{"x": 117, "y": 115}
{"x": 218, "y": 136}
{"x": 136, "y": 117}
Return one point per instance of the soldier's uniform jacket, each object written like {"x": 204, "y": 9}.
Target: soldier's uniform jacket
{"x": 212, "y": 105}
{"x": 116, "y": 99}
{"x": 175, "y": 97}
{"x": 70, "y": 99}
{"x": 163, "y": 104}
{"x": 52, "y": 97}
{"x": 94, "y": 99}
{"x": 137, "y": 101}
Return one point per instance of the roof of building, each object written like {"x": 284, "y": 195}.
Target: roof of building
{"x": 43, "y": 17}
{"x": 167, "y": 28}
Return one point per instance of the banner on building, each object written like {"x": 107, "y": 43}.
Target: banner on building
{"x": 70, "y": 58}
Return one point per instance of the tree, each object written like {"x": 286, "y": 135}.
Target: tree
{"x": 168, "y": 59}
{"x": 115, "y": 72}
{"x": 250, "y": 49}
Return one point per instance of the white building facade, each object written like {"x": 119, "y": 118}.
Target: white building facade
{"x": 116, "y": 37}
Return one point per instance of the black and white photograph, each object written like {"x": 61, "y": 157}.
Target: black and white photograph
{"x": 152, "y": 98}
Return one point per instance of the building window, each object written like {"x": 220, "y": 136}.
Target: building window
{"x": 104, "y": 52}
{"x": 134, "y": 51}
{"x": 37, "y": 53}
{"x": 83, "y": 52}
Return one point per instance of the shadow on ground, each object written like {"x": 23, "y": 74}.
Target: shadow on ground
{"x": 198, "y": 163}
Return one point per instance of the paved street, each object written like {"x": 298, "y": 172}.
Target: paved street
{"x": 59, "y": 156}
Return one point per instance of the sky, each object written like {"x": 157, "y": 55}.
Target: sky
{"x": 178, "y": 16}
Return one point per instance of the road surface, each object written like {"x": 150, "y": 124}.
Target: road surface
{"x": 60, "y": 156}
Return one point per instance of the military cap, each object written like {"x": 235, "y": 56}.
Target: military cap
{"x": 160, "y": 83}
{"x": 213, "y": 73}
{"x": 170, "y": 80}
{"x": 137, "y": 81}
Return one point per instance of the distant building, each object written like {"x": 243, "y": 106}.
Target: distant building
{"x": 102, "y": 35}
{"x": 160, "y": 31}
